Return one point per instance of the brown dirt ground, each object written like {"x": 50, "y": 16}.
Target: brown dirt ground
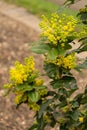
{"x": 14, "y": 37}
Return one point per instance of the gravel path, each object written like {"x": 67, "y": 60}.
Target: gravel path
{"x": 21, "y": 15}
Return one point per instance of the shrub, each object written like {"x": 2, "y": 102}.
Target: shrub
{"x": 58, "y": 105}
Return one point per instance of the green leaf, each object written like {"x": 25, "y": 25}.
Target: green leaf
{"x": 61, "y": 50}
{"x": 41, "y": 123}
{"x": 74, "y": 115}
{"x": 83, "y": 39}
{"x": 67, "y": 47}
{"x": 52, "y": 54}
{"x": 66, "y": 81}
{"x": 78, "y": 98}
{"x": 83, "y": 15}
{"x": 32, "y": 78}
{"x": 85, "y": 89}
{"x": 40, "y": 49}
{"x": 70, "y": 82}
{"x": 84, "y": 48}
{"x": 39, "y": 87}
{"x": 51, "y": 70}
{"x": 82, "y": 65}
{"x": 57, "y": 84}
{"x": 53, "y": 122}
{"x": 34, "y": 96}
{"x": 51, "y": 93}
{"x": 23, "y": 88}
{"x": 44, "y": 107}
{"x": 84, "y": 99}
{"x": 75, "y": 104}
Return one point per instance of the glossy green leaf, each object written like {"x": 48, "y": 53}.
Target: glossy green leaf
{"x": 67, "y": 81}
{"x": 40, "y": 49}
{"x": 23, "y": 88}
{"x": 67, "y": 47}
{"x": 51, "y": 70}
{"x": 83, "y": 39}
{"x": 39, "y": 87}
{"x": 75, "y": 105}
{"x": 84, "y": 99}
{"x": 52, "y": 54}
{"x": 83, "y": 16}
{"x": 75, "y": 115}
{"x": 78, "y": 98}
{"x": 34, "y": 96}
{"x": 84, "y": 48}
{"x": 85, "y": 89}
{"x": 44, "y": 107}
{"x": 82, "y": 65}
{"x": 57, "y": 84}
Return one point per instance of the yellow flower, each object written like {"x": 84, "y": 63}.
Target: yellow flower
{"x": 29, "y": 64}
{"x": 38, "y": 82}
{"x": 34, "y": 106}
{"x": 42, "y": 92}
{"x": 20, "y": 72}
{"x": 46, "y": 119}
{"x": 65, "y": 109}
{"x": 58, "y": 28}
{"x": 9, "y": 85}
{"x": 81, "y": 119}
{"x": 62, "y": 45}
{"x": 65, "y": 28}
{"x": 16, "y": 76}
{"x": 69, "y": 61}
{"x": 18, "y": 98}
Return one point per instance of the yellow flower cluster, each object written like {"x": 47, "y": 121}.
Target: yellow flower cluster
{"x": 58, "y": 28}
{"x": 20, "y": 72}
{"x": 24, "y": 79}
{"x": 34, "y": 106}
{"x": 83, "y": 10}
{"x": 38, "y": 82}
{"x": 43, "y": 92}
{"x": 68, "y": 62}
{"x": 18, "y": 98}
{"x": 8, "y": 85}
{"x": 46, "y": 119}
{"x": 81, "y": 119}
